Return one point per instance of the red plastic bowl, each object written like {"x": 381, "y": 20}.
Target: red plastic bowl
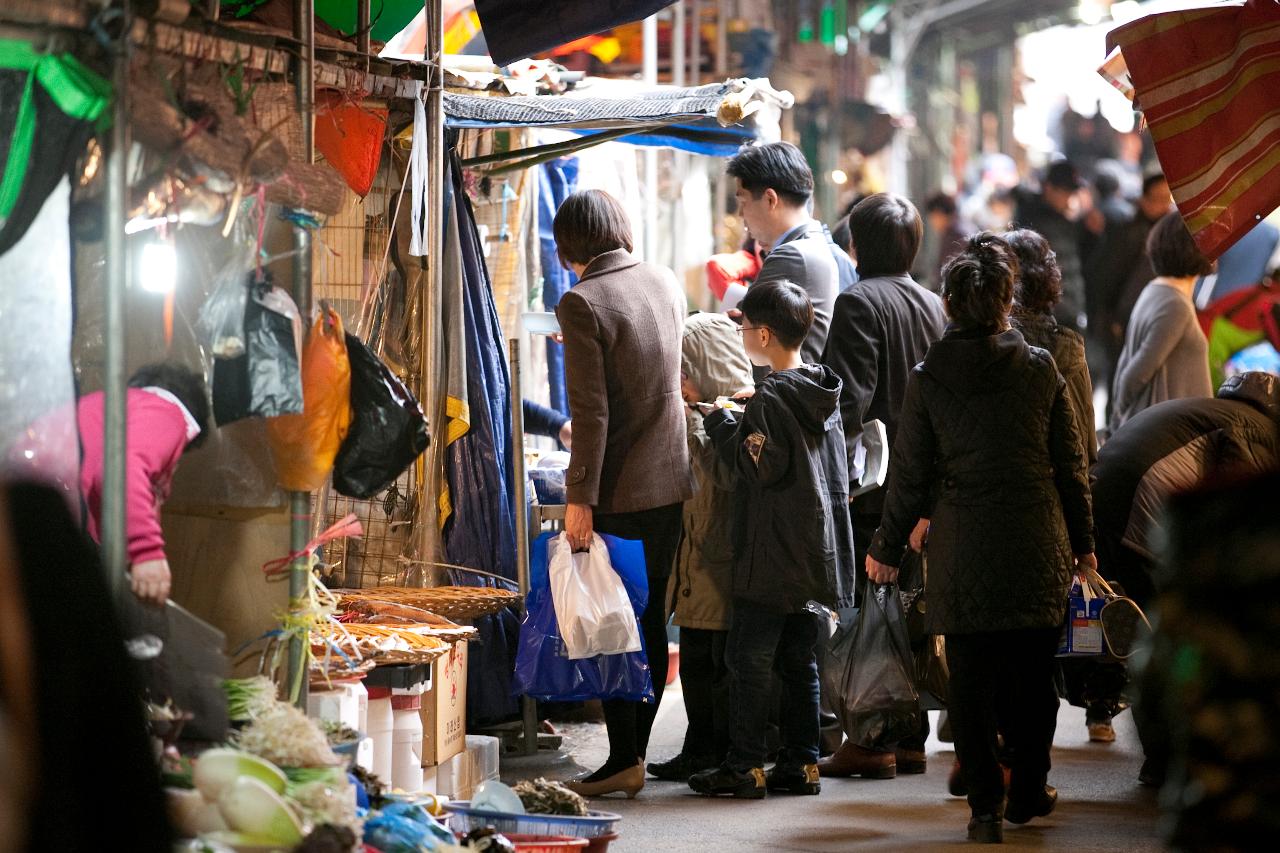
{"x": 545, "y": 843}
{"x": 600, "y": 843}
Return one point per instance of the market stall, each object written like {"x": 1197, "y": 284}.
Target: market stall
{"x": 323, "y": 237}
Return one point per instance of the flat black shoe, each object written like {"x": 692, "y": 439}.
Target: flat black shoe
{"x": 1020, "y": 811}
{"x": 679, "y": 768}
{"x": 794, "y": 780}
{"x": 986, "y": 829}
{"x": 724, "y": 781}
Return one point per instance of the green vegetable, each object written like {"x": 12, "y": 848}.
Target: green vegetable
{"x": 217, "y": 769}
{"x": 246, "y": 697}
{"x": 252, "y": 807}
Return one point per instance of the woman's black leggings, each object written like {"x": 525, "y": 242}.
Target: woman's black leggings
{"x": 630, "y": 723}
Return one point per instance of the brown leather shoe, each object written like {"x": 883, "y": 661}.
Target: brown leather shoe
{"x": 628, "y": 782}
{"x": 911, "y": 761}
{"x": 853, "y": 760}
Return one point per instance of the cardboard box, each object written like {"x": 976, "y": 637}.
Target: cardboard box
{"x": 444, "y": 708}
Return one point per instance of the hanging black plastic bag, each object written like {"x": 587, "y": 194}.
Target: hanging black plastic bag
{"x": 871, "y": 673}
{"x": 388, "y": 431}
{"x": 256, "y": 364}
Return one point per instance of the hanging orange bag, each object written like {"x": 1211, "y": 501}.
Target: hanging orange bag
{"x": 305, "y": 445}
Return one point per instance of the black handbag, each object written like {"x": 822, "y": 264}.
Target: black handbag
{"x": 1124, "y": 625}
{"x": 929, "y": 656}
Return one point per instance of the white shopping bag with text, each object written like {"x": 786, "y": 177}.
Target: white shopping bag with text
{"x": 592, "y": 607}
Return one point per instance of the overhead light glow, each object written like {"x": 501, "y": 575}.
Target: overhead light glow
{"x": 839, "y": 177}
{"x": 1091, "y": 12}
{"x": 158, "y": 267}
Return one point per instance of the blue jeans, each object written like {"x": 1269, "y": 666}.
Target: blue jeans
{"x": 763, "y": 641}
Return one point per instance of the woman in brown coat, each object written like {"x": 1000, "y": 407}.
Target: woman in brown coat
{"x": 629, "y": 468}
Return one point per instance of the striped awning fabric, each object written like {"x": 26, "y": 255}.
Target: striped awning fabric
{"x": 1208, "y": 83}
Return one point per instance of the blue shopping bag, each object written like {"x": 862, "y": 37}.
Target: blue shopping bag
{"x": 543, "y": 668}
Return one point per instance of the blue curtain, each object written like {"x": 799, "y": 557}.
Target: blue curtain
{"x": 557, "y": 181}
{"x": 480, "y": 533}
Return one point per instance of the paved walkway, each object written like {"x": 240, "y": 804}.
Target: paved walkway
{"x": 1102, "y": 807}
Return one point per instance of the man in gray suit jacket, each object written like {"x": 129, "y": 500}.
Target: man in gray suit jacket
{"x": 774, "y": 185}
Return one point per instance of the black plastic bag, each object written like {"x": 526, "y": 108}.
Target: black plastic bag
{"x": 388, "y": 430}
{"x": 870, "y": 673}
{"x": 262, "y": 375}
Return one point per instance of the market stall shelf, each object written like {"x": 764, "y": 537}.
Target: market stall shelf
{"x": 453, "y": 602}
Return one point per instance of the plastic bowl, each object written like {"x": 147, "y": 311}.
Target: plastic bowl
{"x": 546, "y": 843}
{"x": 463, "y": 819}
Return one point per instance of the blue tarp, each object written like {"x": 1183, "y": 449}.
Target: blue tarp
{"x": 480, "y": 532}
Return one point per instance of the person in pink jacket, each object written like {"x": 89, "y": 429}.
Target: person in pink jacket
{"x": 168, "y": 414}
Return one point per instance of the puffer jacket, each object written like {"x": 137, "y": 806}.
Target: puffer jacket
{"x": 793, "y": 542}
{"x": 988, "y": 434}
{"x": 699, "y": 591}
{"x": 1067, "y": 348}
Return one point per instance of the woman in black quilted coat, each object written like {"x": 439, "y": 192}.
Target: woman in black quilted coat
{"x": 988, "y": 448}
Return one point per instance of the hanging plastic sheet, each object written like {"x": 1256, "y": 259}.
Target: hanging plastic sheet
{"x": 37, "y": 388}
{"x": 476, "y": 507}
{"x": 479, "y": 532}
{"x": 558, "y": 180}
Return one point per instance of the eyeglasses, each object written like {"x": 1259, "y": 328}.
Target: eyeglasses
{"x": 751, "y": 328}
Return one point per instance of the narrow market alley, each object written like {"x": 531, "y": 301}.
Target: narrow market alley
{"x": 1102, "y": 806}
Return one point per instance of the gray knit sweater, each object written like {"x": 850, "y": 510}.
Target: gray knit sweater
{"x": 1165, "y": 356}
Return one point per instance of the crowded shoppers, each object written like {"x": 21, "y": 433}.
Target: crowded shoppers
{"x": 792, "y": 545}
{"x": 1165, "y": 355}
{"x": 881, "y": 329}
{"x": 629, "y": 467}
{"x": 1117, "y": 272}
{"x": 950, "y": 234}
{"x": 1057, "y": 213}
{"x": 773, "y": 187}
{"x": 988, "y": 449}
{"x": 714, "y": 365}
{"x": 1038, "y": 289}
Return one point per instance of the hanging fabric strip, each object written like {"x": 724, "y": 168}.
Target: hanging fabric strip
{"x": 419, "y": 167}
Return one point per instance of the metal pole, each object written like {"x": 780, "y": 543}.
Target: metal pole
{"x": 362, "y": 30}
{"x": 114, "y": 377}
{"x": 528, "y": 707}
{"x": 426, "y": 533}
{"x": 304, "y": 30}
{"x": 650, "y": 33}
{"x": 695, "y": 48}
{"x": 679, "y": 36}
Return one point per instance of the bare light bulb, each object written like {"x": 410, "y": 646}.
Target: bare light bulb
{"x": 158, "y": 268}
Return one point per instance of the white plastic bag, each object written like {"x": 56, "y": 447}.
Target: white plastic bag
{"x": 592, "y": 607}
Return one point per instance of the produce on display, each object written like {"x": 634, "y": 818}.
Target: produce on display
{"x": 249, "y": 806}
{"x": 218, "y": 769}
{"x": 540, "y": 796}
{"x": 286, "y": 737}
{"x": 248, "y": 696}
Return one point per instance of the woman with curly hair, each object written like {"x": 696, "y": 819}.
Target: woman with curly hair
{"x": 1035, "y": 293}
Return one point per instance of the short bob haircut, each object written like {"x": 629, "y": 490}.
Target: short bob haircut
{"x": 589, "y": 224}
{"x": 1039, "y": 284}
{"x": 885, "y": 232}
{"x": 777, "y": 166}
{"x": 978, "y": 283}
{"x": 781, "y": 306}
{"x": 1173, "y": 253}
{"x": 185, "y": 384}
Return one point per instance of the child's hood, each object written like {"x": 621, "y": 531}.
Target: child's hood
{"x": 811, "y": 392}
{"x": 713, "y": 357}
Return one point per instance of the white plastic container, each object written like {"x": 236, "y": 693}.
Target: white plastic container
{"x": 406, "y": 751}
{"x": 361, "y": 695}
{"x": 381, "y": 727}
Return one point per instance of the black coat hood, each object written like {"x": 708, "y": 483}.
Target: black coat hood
{"x": 972, "y": 361}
